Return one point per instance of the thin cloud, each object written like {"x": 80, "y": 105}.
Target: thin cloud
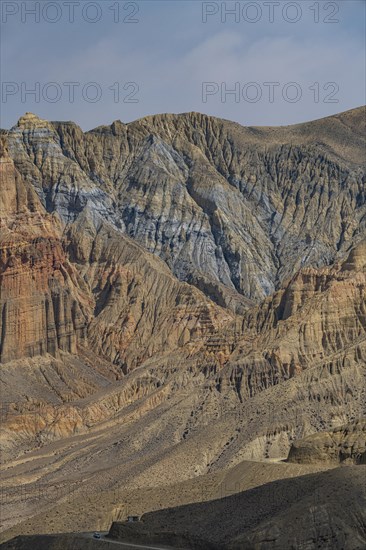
{"x": 170, "y": 71}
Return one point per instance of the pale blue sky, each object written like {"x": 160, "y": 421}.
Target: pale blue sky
{"x": 170, "y": 52}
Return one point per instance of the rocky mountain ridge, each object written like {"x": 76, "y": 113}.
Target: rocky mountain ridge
{"x": 177, "y": 295}
{"x": 233, "y": 210}
{"x": 58, "y": 281}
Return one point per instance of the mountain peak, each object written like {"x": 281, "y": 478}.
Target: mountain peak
{"x": 30, "y": 120}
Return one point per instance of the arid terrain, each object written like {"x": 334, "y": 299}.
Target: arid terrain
{"x": 182, "y": 329}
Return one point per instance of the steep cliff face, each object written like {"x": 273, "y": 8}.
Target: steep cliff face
{"x": 40, "y": 312}
{"x": 314, "y": 320}
{"x": 41, "y": 306}
{"x": 233, "y": 210}
{"x": 85, "y": 284}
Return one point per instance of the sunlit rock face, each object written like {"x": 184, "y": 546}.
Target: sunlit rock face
{"x": 192, "y": 276}
{"x": 178, "y": 296}
{"x": 59, "y": 284}
{"x": 234, "y": 211}
{"x": 40, "y": 306}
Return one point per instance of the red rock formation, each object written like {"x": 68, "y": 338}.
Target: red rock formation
{"x": 39, "y": 302}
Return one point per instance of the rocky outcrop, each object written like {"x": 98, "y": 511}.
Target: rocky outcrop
{"x": 61, "y": 289}
{"x": 344, "y": 444}
{"x": 41, "y": 310}
{"x": 40, "y": 313}
{"x": 318, "y": 317}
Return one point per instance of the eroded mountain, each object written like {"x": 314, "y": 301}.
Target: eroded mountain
{"x": 178, "y": 295}
{"x": 233, "y": 210}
